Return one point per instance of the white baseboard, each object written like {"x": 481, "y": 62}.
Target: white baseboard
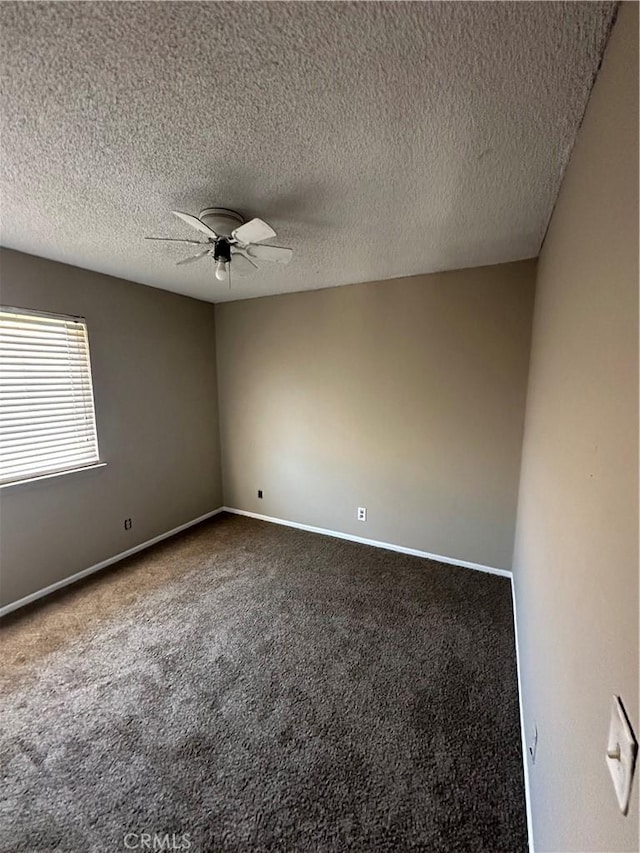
{"x": 523, "y": 734}
{"x": 14, "y": 605}
{"x": 374, "y": 542}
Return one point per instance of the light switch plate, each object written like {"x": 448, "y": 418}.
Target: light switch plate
{"x": 622, "y": 748}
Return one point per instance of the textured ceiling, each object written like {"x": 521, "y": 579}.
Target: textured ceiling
{"x": 378, "y": 139}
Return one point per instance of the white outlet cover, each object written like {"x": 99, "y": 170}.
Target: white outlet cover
{"x": 362, "y": 513}
{"x": 622, "y": 744}
{"x": 533, "y": 746}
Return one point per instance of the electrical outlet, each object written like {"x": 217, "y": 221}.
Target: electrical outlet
{"x": 259, "y": 493}
{"x": 127, "y": 524}
{"x": 533, "y": 744}
{"x": 362, "y": 513}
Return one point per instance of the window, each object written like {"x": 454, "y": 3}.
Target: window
{"x": 47, "y": 418}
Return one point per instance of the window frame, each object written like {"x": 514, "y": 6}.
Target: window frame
{"x": 61, "y": 470}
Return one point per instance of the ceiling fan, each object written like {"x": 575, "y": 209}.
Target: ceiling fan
{"x": 230, "y": 241}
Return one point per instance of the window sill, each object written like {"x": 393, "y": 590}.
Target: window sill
{"x": 40, "y": 478}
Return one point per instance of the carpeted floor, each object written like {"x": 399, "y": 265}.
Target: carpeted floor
{"x": 249, "y": 687}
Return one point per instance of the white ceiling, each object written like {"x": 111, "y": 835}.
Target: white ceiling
{"x": 378, "y": 139}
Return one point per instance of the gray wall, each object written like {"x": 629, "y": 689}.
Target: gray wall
{"x": 154, "y": 374}
{"x": 576, "y": 556}
{"x": 405, "y": 396}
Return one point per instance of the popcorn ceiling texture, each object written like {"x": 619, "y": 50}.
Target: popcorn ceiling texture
{"x": 379, "y": 139}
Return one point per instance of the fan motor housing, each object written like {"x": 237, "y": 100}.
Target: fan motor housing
{"x": 222, "y": 251}
{"x": 221, "y": 219}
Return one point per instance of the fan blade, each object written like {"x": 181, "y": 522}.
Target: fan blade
{"x": 196, "y": 223}
{"x": 176, "y": 240}
{"x": 255, "y": 231}
{"x": 193, "y": 258}
{"x": 242, "y": 264}
{"x": 270, "y": 253}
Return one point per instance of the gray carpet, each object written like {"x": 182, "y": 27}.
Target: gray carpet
{"x": 285, "y": 692}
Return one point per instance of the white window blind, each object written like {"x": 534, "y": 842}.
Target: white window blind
{"x": 47, "y": 418}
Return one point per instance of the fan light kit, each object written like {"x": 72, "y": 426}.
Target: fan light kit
{"x": 230, "y": 242}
